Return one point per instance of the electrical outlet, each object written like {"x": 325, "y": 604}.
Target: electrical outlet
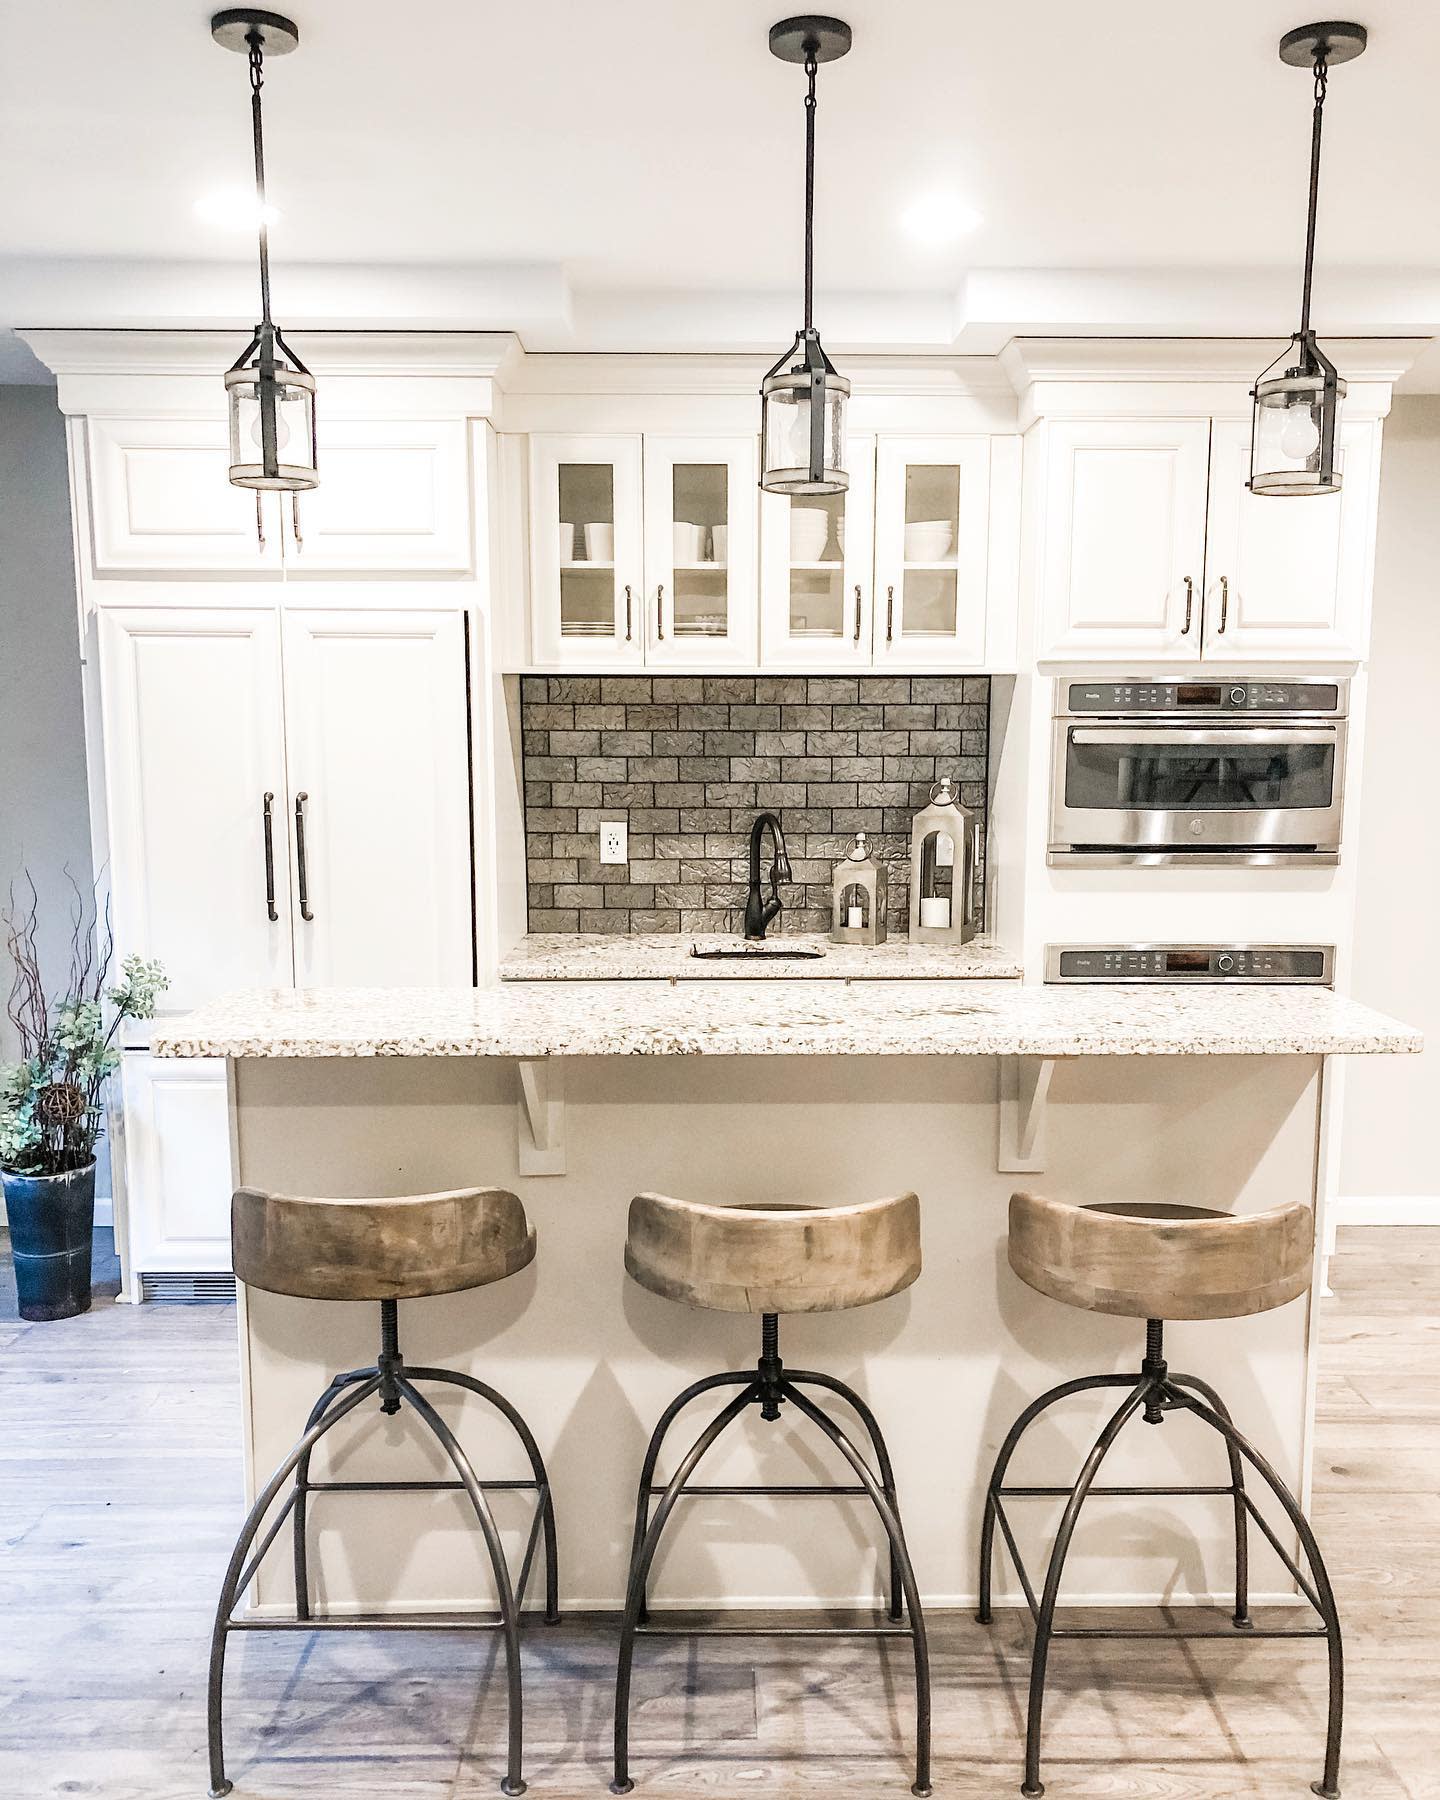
{"x": 614, "y": 841}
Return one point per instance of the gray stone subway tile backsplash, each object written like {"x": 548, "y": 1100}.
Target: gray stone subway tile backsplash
{"x": 688, "y": 760}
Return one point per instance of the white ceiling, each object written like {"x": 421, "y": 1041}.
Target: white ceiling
{"x": 628, "y": 174}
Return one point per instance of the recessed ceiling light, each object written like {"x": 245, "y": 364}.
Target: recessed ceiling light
{"x": 939, "y": 218}
{"x": 234, "y": 209}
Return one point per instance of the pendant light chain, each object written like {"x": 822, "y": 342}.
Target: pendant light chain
{"x": 257, "y": 81}
{"x": 1321, "y": 73}
{"x": 810, "y": 69}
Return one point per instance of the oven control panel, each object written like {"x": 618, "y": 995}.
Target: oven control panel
{"x": 1234, "y": 694}
{"x": 1279, "y": 964}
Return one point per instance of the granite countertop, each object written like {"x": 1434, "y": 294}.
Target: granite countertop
{"x": 751, "y": 1018}
{"x": 655, "y": 956}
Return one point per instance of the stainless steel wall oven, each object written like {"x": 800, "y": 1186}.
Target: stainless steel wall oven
{"x": 1245, "y": 769}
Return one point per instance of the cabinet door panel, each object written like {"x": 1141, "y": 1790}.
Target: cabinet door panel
{"x": 177, "y": 1163}
{"x": 394, "y": 494}
{"x": 161, "y": 499}
{"x": 932, "y": 526}
{"x": 194, "y": 740}
{"x": 700, "y": 557}
{"x": 377, "y": 747}
{"x": 586, "y": 573}
{"x": 1124, "y": 538}
{"x": 1287, "y": 578}
{"x": 817, "y": 567}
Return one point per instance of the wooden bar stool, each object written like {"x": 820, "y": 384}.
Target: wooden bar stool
{"x": 1158, "y": 1262}
{"x": 385, "y": 1250}
{"x": 771, "y": 1260}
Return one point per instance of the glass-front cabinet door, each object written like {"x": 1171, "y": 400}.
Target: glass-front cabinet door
{"x": 816, "y": 572}
{"x": 700, "y": 550}
{"x": 586, "y": 552}
{"x": 932, "y": 513}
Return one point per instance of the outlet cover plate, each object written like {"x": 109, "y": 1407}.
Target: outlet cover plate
{"x": 614, "y": 840}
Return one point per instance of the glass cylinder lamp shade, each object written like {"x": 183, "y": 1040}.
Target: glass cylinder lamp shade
{"x": 272, "y": 420}
{"x": 1294, "y": 440}
{"x": 802, "y": 424}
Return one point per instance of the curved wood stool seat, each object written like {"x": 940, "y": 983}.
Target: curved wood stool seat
{"x": 770, "y": 1259}
{"x": 408, "y": 1248}
{"x": 1151, "y": 1260}
{"x": 402, "y": 1249}
{"x": 1156, "y": 1261}
{"x": 775, "y": 1258}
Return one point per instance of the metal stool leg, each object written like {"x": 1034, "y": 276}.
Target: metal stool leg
{"x": 513, "y": 1782}
{"x": 1082, "y": 1384}
{"x": 1045, "y": 1617}
{"x": 1242, "y": 1619}
{"x": 810, "y": 1378}
{"x": 1321, "y": 1597}
{"x": 736, "y": 1378}
{"x": 302, "y": 1488}
{"x": 239, "y": 1571}
{"x": 545, "y": 1499}
{"x": 882, "y": 1505}
{"x": 640, "y": 1567}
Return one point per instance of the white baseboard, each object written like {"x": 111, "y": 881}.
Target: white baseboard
{"x": 104, "y": 1211}
{"x": 1385, "y": 1209}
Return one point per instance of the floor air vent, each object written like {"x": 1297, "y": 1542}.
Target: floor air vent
{"x": 180, "y": 1290}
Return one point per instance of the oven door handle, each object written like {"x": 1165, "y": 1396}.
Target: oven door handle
{"x": 1226, "y": 738}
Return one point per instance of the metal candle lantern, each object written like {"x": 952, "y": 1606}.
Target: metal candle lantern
{"x": 860, "y": 890}
{"x": 942, "y": 842}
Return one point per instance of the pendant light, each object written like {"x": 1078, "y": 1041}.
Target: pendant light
{"x": 802, "y": 406}
{"x": 271, "y": 393}
{"x": 1295, "y": 425}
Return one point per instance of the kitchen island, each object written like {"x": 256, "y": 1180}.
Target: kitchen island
{"x": 760, "y": 1090}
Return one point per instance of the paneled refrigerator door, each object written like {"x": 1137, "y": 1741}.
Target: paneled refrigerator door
{"x": 195, "y": 795}
{"x": 700, "y": 567}
{"x": 586, "y": 576}
{"x": 817, "y": 572}
{"x": 379, "y": 812}
{"x": 932, "y": 525}
{"x": 177, "y": 1164}
{"x": 1288, "y": 579}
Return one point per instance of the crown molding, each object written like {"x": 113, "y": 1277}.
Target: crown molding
{"x": 485, "y": 355}
{"x": 680, "y": 373}
{"x": 1028, "y": 361}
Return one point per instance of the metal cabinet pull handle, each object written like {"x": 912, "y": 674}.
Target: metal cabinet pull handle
{"x": 260, "y": 519}
{"x": 270, "y": 858}
{"x": 627, "y": 612}
{"x": 1189, "y": 605}
{"x": 302, "y": 874}
{"x": 1224, "y": 604}
{"x": 295, "y": 531}
{"x": 889, "y": 615}
{"x": 660, "y": 611}
{"x": 857, "y": 612}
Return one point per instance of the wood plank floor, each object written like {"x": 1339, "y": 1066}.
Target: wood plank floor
{"x": 120, "y": 1492}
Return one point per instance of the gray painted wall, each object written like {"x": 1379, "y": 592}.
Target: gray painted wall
{"x": 44, "y": 808}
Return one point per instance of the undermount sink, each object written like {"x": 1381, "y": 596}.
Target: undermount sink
{"x": 778, "y": 951}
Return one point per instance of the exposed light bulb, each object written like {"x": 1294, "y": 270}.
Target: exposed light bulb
{"x": 1300, "y": 435}
{"x": 235, "y": 209}
{"x": 282, "y": 431}
{"x": 938, "y": 219}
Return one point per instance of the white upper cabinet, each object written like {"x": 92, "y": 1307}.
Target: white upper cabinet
{"x": 932, "y": 526}
{"x": 394, "y": 496}
{"x": 161, "y": 500}
{"x": 1287, "y": 578}
{"x": 1124, "y": 538}
{"x": 379, "y": 797}
{"x": 700, "y": 559}
{"x": 195, "y": 795}
{"x": 586, "y": 549}
{"x": 817, "y": 570}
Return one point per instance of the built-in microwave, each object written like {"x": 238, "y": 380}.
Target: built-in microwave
{"x": 1245, "y": 769}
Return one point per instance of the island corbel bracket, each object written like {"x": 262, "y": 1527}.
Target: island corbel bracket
{"x": 1024, "y": 1101}
{"x": 540, "y": 1116}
